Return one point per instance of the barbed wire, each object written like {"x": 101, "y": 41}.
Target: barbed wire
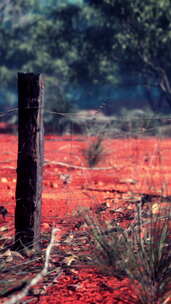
{"x": 94, "y": 123}
{"x": 91, "y": 114}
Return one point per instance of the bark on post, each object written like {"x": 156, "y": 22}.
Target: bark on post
{"x": 30, "y": 160}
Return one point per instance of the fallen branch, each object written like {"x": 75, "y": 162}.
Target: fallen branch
{"x": 144, "y": 197}
{"x": 79, "y": 167}
{"x": 14, "y": 299}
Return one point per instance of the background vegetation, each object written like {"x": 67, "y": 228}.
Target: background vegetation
{"x": 109, "y": 54}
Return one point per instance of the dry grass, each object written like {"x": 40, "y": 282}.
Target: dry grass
{"x": 141, "y": 252}
{"x": 94, "y": 152}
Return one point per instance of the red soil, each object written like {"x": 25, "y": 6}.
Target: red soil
{"x": 132, "y": 165}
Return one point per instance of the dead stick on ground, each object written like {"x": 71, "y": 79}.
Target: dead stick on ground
{"x": 79, "y": 167}
{"x": 14, "y": 299}
{"x": 144, "y": 197}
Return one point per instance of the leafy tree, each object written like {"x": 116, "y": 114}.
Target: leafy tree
{"x": 140, "y": 34}
{"x": 17, "y": 19}
{"x": 55, "y": 40}
{"x": 96, "y": 42}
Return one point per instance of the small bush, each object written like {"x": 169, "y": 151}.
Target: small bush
{"x": 94, "y": 152}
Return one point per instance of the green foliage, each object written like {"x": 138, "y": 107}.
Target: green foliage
{"x": 142, "y": 38}
{"x": 106, "y": 41}
{"x": 52, "y": 40}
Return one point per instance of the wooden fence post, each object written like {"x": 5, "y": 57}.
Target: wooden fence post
{"x": 30, "y": 160}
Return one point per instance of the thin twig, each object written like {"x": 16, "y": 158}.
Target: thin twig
{"x": 79, "y": 167}
{"x": 14, "y": 299}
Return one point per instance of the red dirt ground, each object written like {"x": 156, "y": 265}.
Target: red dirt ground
{"x": 128, "y": 165}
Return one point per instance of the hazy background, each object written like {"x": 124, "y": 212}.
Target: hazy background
{"x": 110, "y": 55}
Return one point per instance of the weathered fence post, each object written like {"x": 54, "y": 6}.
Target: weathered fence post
{"x": 30, "y": 160}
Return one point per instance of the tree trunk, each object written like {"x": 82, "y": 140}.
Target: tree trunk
{"x": 30, "y": 161}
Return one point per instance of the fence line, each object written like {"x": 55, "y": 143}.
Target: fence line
{"x": 94, "y": 123}
{"x": 94, "y": 115}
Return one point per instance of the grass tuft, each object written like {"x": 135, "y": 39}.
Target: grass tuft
{"x": 94, "y": 152}
{"x": 141, "y": 252}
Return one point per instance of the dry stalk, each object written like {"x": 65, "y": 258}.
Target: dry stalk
{"x": 79, "y": 167}
{"x": 15, "y": 298}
